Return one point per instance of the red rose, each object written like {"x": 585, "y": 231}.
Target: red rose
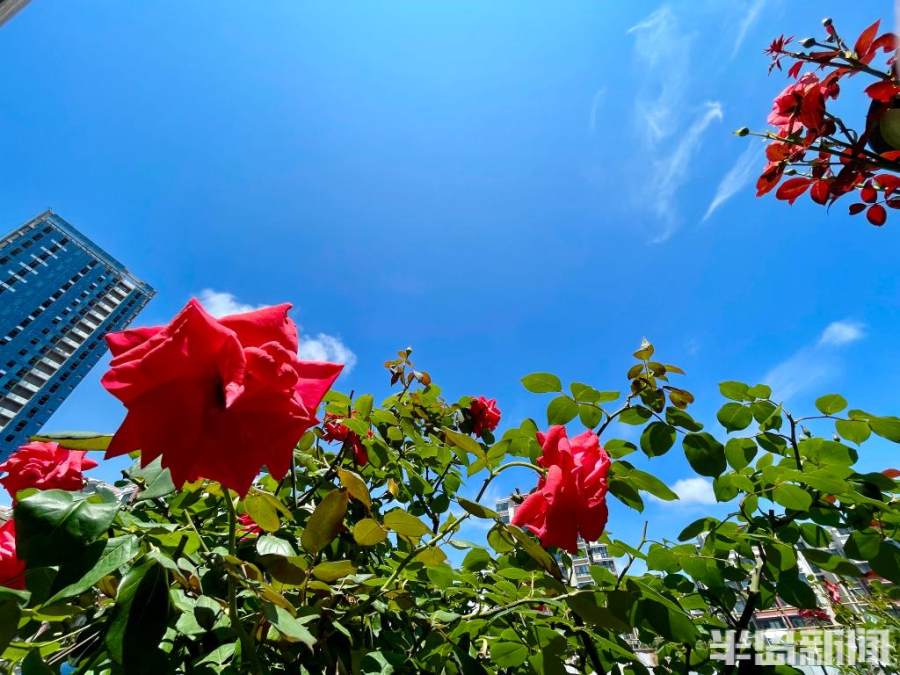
{"x": 248, "y": 525}
{"x": 334, "y": 431}
{"x": 891, "y": 473}
{"x": 485, "y": 415}
{"x": 819, "y": 614}
{"x": 801, "y": 103}
{"x": 215, "y": 398}
{"x": 571, "y": 499}
{"x": 45, "y": 466}
{"x": 12, "y": 570}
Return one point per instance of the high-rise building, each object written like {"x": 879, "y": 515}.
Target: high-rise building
{"x": 9, "y": 7}
{"x": 59, "y": 294}
{"x": 594, "y": 553}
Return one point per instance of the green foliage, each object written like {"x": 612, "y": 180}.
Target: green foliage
{"x": 360, "y": 568}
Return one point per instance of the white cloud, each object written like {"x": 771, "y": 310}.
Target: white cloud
{"x": 327, "y": 348}
{"x": 754, "y": 9}
{"x": 596, "y": 100}
{"x": 665, "y": 118}
{"x": 220, "y": 303}
{"x": 737, "y": 178}
{"x": 844, "y": 332}
{"x": 672, "y": 172}
{"x": 694, "y": 491}
{"x": 814, "y": 365}
{"x": 662, "y": 50}
{"x": 322, "y": 347}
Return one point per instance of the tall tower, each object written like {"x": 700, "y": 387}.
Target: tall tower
{"x": 60, "y": 294}
{"x": 9, "y": 7}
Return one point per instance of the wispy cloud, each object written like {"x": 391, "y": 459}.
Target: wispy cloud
{"x": 751, "y": 14}
{"x": 322, "y": 347}
{"x": 814, "y": 365}
{"x": 672, "y": 172}
{"x": 737, "y": 178}
{"x": 839, "y": 333}
{"x": 596, "y": 101}
{"x": 662, "y": 50}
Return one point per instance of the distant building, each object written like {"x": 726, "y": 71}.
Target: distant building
{"x": 60, "y": 294}
{"x": 594, "y": 554}
{"x": 9, "y": 7}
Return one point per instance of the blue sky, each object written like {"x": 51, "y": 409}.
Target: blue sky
{"x": 508, "y": 187}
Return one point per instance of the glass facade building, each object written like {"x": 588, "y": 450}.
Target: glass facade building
{"x": 59, "y": 294}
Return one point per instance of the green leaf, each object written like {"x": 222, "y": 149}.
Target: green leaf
{"x": 363, "y": 405}
{"x": 11, "y": 604}
{"x": 736, "y": 391}
{"x": 356, "y": 486}
{"x": 464, "y": 443}
{"x": 855, "y": 431}
{"x": 586, "y": 394}
{"x": 139, "y": 620}
{"x": 792, "y": 497}
{"x": 33, "y": 664}
{"x": 561, "y": 410}
{"x": 333, "y": 570}
{"x": 740, "y": 452}
{"x": 886, "y": 427}
{"x": 634, "y": 415}
{"x": 325, "y": 522}
{"x": 476, "y": 559}
{"x": 404, "y": 523}
{"x": 734, "y": 416}
{"x": 680, "y": 418}
{"x": 289, "y": 627}
{"x": 590, "y": 415}
{"x": 863, "y": 545}
{"x": 52, "y": 524}
{"x": 887, "y": 561}
{"x": 155, "y": 481}
{"x": 477, "y": 509}
{"x": 704, "y": 453}
{"x": 695, "y": 528}
{"x": 760, "y": 391}
{"x": 77, "y": 440}
{"x": 645, "y": 351}
{"x": 671, "y": 623}
{"x": 657, "y": 439}
{"x": 618, "y": 448}
{"x": 831, "y": 404}
{"x": 649, "y": 483}
{"x": 262, "y": 512}
{"x": 586, "y": 606}
{"x": 505, "y": 654}
{"x": 113, "y": 554}
{"x": 542, "y": 383}
{"x": 268, "y": 544}
{"x": 795, "y": 591}
{"x": 626, "y": 493}
{"x": 369, "y": 532}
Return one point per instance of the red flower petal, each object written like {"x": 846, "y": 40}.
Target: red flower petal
{"x": 876, "y": 215}
{"x": 795, "y": 69}
{"x": 820, "y": 191}
{"x": 792, "y": 188}
{"x": 865, "y": 40}
{"x": 868, "y": 194}
{"x": 882, "y": 91}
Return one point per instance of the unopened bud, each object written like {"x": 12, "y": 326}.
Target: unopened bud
{"x": 807, "y": 43}
{"x": 743, "y": 131}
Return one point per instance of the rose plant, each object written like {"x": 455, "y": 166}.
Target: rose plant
{"x": 811, "y": 148}
{"x": 249, "y": 536}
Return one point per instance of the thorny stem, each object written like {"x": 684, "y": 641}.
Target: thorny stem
{"x": 248, "y": 650}
{"x": 631, "y": 557}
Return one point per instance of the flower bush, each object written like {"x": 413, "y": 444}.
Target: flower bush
{"x": 320, "y": 562}
{"x": 813, "y": 149}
